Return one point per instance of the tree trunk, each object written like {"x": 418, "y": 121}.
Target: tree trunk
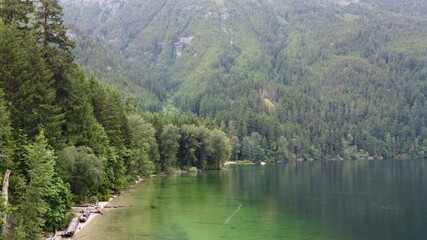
{"x": 72, "y": 227}
{"x": 5, "y": 195}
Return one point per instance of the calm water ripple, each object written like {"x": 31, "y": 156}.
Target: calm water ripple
{"x": 314, "y": 200}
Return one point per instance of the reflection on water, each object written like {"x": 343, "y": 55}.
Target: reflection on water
{"x": 312, "y": 200}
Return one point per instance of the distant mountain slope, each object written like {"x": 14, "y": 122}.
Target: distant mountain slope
{"x": 130, "y": 78}
{"x": 318, "y": 79}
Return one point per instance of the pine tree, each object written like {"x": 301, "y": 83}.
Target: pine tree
{"x": 81, "y": 127}
{"x": 27, "y": 84}
{"x": 5, "y": 136}
{"x": 16, "y": 11}
{"x": 202, "y": 152}
{"x": 234, "y": 140}
{"x": 56, "y": 45}
{"x": 51, "y": 26}
{"x": 110, "y": 113}
{"x": 41, "y": 161}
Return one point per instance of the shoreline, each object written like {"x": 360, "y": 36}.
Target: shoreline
{"x": 99, "y": 206}
{"x": 77, "y": 210}
{"x": 238, "y": 162}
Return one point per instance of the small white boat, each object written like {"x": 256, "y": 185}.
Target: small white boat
{"x": 262, "y": 163}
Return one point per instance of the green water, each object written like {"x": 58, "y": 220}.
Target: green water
{"x": 312, "y": 200}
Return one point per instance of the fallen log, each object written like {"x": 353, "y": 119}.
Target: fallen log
{"x": 115, "y": 206}
{"x": 83, "y": 205}
{"x": 72, "y": 227}
{"x": 97, "y": 210}
{"x": 85, "y": 215}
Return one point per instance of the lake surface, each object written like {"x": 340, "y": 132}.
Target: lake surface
{"x": 312, "y": 200}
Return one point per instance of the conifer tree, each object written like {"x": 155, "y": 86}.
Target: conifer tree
{"x": 202, "y": 152}
{"x": 41, "y": 161}
{"x": 56, "y": 45}
{"x": 16, "y": 11}
{"x": 110, "y": 113}
{"x": 5, "y": 135}
{"x": 51, "y": 26}
{"x": 234, "y": 140}
{"x": 81, "y": 127}
{"x": 27, "y": 84}
{"x": 110, "y": 120}
{"x": 188, "y": 145}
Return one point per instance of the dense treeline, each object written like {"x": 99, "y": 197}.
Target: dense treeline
{"x": 66, "y": 137}
{"x": 285, "y": 79}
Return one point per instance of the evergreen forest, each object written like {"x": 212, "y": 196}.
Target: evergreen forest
{"x": 67, "y": 138}
{"x": 96, "y": 94}
{"x": 285, "y": 79}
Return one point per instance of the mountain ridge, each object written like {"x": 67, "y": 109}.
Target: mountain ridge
{"x": 280, "y": 68}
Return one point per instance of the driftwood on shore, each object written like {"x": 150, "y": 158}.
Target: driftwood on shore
{"x": 85, "y": 215}
{"x": 97, "y": 210}
{"x": 72, "y": 227}
{"x": 114, "y": 206}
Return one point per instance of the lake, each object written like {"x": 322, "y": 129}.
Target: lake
{"x": 310, "y": 200}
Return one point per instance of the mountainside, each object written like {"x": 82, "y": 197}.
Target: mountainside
{"x": 286, "y": 79}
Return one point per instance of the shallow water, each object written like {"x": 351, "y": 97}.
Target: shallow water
{"x": 312, "y": 200}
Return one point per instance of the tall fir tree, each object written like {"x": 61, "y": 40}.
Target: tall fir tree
{"x": 110, "y": 112}
{"x": 81, "y": 127}
{"x": 27, "y": 84}
{"x": 41, "y": 162}
{"x": 56, "y": 44}
{"x": 51, "y": 26}
{"x": 5, "y": 136}
{"x": 18, "y": 11}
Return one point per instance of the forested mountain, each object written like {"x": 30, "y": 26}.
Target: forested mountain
{"x": 65, "y": 137}
{"x": 286, "y": 79}
{"x": 189, "y": 84}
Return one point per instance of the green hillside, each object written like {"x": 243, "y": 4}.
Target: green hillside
{"x": 286, "y": 79}
{"x": 66, "y": 138}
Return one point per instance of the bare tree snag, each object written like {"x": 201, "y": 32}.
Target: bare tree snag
{"x": 5, "y": 195}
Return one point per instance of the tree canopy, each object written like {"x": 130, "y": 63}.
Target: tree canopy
{"x": 66, "y": 136}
